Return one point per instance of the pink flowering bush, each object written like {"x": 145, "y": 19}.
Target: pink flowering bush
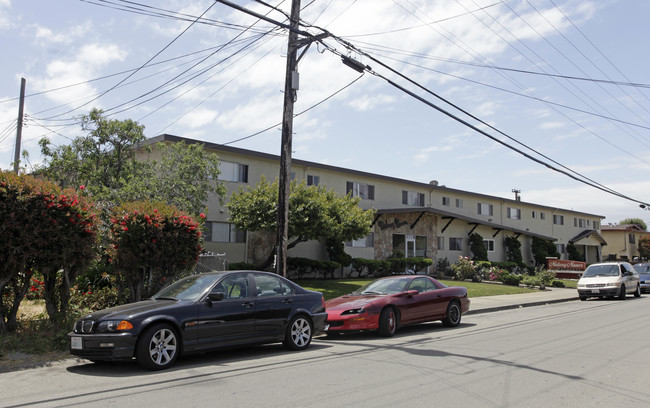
{"x": 152, "y": 243}
{"x": 465, "y": 268}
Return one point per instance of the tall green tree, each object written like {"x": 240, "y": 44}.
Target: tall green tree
{"x": 634, "y": 221}
{"x": 543, "y": 248}
{"x": 513, "y": 250}
{"x": 477, "y": 247}
{"x": 644, "y": 247}
{"x": 315, "y": 213}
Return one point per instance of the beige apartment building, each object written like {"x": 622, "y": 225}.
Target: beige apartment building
{"x": 419, "y": 219}
{"x": 622, "y": 241}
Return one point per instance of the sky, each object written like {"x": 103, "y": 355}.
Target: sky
{"x": 547, "y": 97}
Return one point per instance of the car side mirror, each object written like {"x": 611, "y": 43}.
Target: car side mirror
{"x": 215, "y": 297}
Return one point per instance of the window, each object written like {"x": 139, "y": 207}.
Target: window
{"x": 542, "y": 216}
{"x": 233, "y": 287}
{"x": 223, "y": 232}
{"x": 233, "y": 172}
{"x": 534, "y": 214}
{"x": 575, "y": 222}
{"x": 514, "y": 213}
{"x": 558, "y": 219}
{"x": 596, "y": 225}
{"x": 560, "y": 248}
{"x": 632, "y": 238}
{"x": 413, "y": 198}
{"x": 365, "y": 242}
{"x": 455, "y": 244}
{"x": 459, "y": 203}
{"x": 489, "y": 244}
{"x": 441, "y": 243}
{"x": 313, "y": 180}
{"x": 581, "y": 222}
{"x": 422, "y": 285}
{"x": 446, "y": 201}
{"x": 266, "y": 285}
{"x": 485, "y": 209}
{"x": 363, "y": 191}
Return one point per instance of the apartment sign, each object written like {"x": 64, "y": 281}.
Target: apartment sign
{"x": 560, "y": 264}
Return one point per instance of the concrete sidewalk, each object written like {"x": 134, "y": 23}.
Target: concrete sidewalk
{"x": 486, "y": 304}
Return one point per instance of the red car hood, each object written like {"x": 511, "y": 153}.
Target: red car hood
{"x": 351, "y": 301}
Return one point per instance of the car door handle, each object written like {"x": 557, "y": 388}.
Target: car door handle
{"x": 287, "y": 300}
{"x": 248, "y": 304}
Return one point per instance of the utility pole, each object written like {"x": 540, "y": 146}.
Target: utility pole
{"x": 290, "y": 88}
{"x": 19, "y": 129}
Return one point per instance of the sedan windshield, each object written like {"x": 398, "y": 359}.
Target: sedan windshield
{"x": 642, "y": 268}
{"x": 188, "y": 288}
{"x": 383, "y": 287}
{"x": 602, "y": 270}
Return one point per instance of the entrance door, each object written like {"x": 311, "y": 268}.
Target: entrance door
{"x": 410, "y": 246}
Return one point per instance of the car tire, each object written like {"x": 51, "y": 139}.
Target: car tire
{"x": 637, "y": 292}
{"x": 583, "y": 297}
{"x": 299, "y": 333}
{"x": 387, "y": 322}
{"x": 157, "y": 347}
{"x": 621, "y": 295}
{"x": 452, "y": 318}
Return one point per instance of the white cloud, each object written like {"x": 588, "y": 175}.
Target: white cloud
{"x": 551, "y": 125}
{"x": 198, "y": 118}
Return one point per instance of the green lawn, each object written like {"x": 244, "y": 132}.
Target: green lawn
{"x": 334, "y": 288}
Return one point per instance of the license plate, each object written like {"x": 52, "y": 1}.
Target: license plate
{"x": 76, "y": 343}
{"x": 595, "y": 291}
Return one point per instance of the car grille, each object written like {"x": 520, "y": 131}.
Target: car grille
{"x": 84, "y": 326}
{"x": 596, "y": 285}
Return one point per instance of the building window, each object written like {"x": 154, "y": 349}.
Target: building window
{"x": 581, "y": 222}
{"x": 489, "y": 244}
{"x": 363, "y": 191}
{"x": 313, "y": 180}
{"x": 560, "y": 248}
{"x": 446, "y": 201}
{"x": 365, "y": 242}
{"x": 455, "y": 244}
{"x": 441, "y": 243}
{"x": 223, "y": 232}
{"x": 514, "y": 213}
{"x": 485, "y": 209}
{"x": 233, "y": 172}
{"x": 596, "y": 225}
{"x": 542, "y": 216}
{"x": 534, "y": 214}
{"x": 459, "y": 203}
{"x": 558, "y": 219}
{"x": 632, "y": 238}
{"x": 413, "y": 198}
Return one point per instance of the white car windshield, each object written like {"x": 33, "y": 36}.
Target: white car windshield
{"x": 602, "y": 270}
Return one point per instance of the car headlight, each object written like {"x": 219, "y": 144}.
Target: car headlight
{"x": 582, "y": 285}
{"x": 111, "y": 326}
{"x": 354, "y": 311}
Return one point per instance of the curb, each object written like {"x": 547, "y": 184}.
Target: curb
{"x": 517, "y": 306}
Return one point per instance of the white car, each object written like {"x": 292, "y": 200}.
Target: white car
{"x": 609, "y": 279}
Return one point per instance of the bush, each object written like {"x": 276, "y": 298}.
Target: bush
{"x": 531, "y": 281}
{"x": 508, "y": 266}
{"x": 443, "y": 267}
{"x": 557, "y": 283}
{"x": 465, "y": 269}
{"x": 509, "y": 279}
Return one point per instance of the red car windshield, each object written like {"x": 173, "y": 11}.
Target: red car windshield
{"x": 383, "y": 287}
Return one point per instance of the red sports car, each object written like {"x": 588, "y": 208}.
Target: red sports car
{"x": 388, "y": 303}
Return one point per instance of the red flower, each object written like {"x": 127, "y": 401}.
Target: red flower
{"x": 82, "y": 187}
{"x": 202, "y": 215}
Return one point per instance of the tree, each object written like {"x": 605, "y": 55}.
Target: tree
{"x": 315, "y": 213}
{"x": 103, "y": 160}
{"x": 513, "y": 250}
{"x": 634, "y": 221}
{"x": 152, "y": 243}
{"x": 644, "y": 247}
{"x": 43, "y": 228}
{"x": 183, "y": 177}
{"x": 574, "y": 254}
{"x": 543, "y": 249}
{"x": 477, "y": 247}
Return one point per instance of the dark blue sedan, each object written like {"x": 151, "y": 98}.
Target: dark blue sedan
{"x": 202, "y": 312}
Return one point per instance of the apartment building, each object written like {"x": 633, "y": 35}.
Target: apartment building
{"x": 419, "y": 219}
{"x": 622, "y": 241}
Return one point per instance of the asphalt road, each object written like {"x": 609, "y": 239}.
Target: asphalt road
{"x": 572, "y": 354}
